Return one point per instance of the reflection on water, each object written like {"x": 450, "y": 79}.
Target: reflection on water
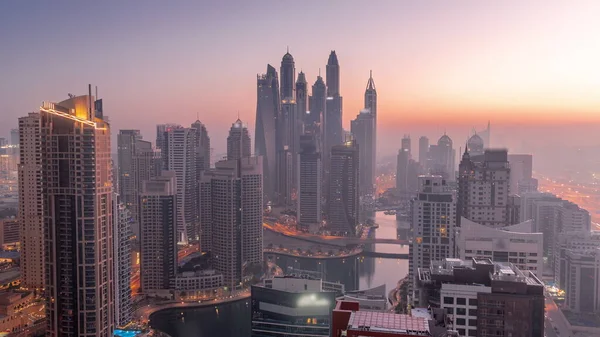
{"x": 227, "y": 320}
{"x": 376, "y": 271}
{"x": 233, "y": 319}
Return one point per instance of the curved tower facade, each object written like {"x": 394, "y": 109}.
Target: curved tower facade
{"x": 267, "y": 113}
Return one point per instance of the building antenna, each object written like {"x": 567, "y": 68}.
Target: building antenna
{"x": 319, "y": 72}
{"x": 197, "y": 116}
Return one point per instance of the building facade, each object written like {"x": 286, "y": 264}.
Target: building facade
{"x": 484, "y": 188}
{"x": 238, "y": 141}
{"x": 123, "y": 239}
{"x": 290, "y": 305}
{"x": 433, "y": 225}
{"x": 309, "y": 183}
{"x": 267, "y": 115}
{"x": 343, "y": 198}
{"x": 31, "y": 202}
{"x": 516, "y": 244}
{"x": 158, "y": 237}
{"x": 363, "y": 131}
{"x": 232, "y": 208}
{"x": 179, "y": 156}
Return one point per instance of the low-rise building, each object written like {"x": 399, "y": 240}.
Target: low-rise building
{"x": 199, "y": 280}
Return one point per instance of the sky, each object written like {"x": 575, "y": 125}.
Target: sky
{"x": 530, "y": 67}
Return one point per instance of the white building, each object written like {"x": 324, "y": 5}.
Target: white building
{"x": 516, "y": 244}
{"x": 31, "y": 202}
{"x": 179, "y": 155}
{"x": 433, "y": 221}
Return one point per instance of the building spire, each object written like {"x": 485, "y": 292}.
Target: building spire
{"x": 288, "y": 49}
{"x": 370, "y": 82}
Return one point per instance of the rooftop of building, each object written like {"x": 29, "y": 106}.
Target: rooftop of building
{"x": 479, "y": 272}
{"x": 388, "y": 322}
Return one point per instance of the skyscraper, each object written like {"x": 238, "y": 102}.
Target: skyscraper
{"x": 145, "y": 165}
{"x": 433, "y": 220}
{"x": 371, "y": 105}
{"x": 423, "y": 151}
{"x": 343, "y": 196}
{"x": 158, "y": 237}
{"x": 267, "y": 114}
{"x": 284, "y": 187}
{"x": 475, "y": 145}
{"x": 202, "y": 147}
{"x": 123, "y": 238}
{"x": 31, "y": 202}
{"x": 333, "y": 131}
{"x": 288, "y": 77}
{"x": 483, "y": 188}
{"x": 238, "y": 141}
{"x": 317, "y": 103}
{"x": 302, "y": 96}
{"x": 126, "y": 142}
{"x": 363, "y": 130}
{"x": 232, "y": 207}
{"x": 407, "y": 169}
{"x": 442, "y": 158}
{"x": 179, "y": 155}
{"x": 521, "y": 170}
{"x": 78, "y": 192}
{"x": 309, "y": 183}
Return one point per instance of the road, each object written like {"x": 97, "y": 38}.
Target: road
{"x": 586, "y": 196}
{"x": 327, "y": 239}
{"x": 555, "y": 319}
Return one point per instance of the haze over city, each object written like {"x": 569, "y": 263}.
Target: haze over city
{"x": 335, "y": 168}
{"x": 528, "y": 67}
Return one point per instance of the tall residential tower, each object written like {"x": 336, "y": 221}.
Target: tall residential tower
{"x": 77, "y": 197}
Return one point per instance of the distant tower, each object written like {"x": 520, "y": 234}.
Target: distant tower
{"x": 267, "y": 115}
{"x": 158, "y": 237}
{"x": 31, "y": 202}
{"x": 475, "y": 145}
{"x": 423, "y": 151}
{"x": 302, "y": 97}
{"x": 333, "y": 131}
{"x": 238, "y": 141}
{"x": 288, "y": 76}
{"x": 288, "y": 132}
{"x": 406, "y": 145}
{"x": 363, "y": 130}
{"x": 317, "y": 103}
{"x": 309, "y": 183}
{"x": 77, "y": 197}
{"x": 343, "y": 199}
{"x": 232, "y": 204}
{"x": 442, "y": 158}
{"x": 202, "y": 147}
{"x": 371, "y": 105}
